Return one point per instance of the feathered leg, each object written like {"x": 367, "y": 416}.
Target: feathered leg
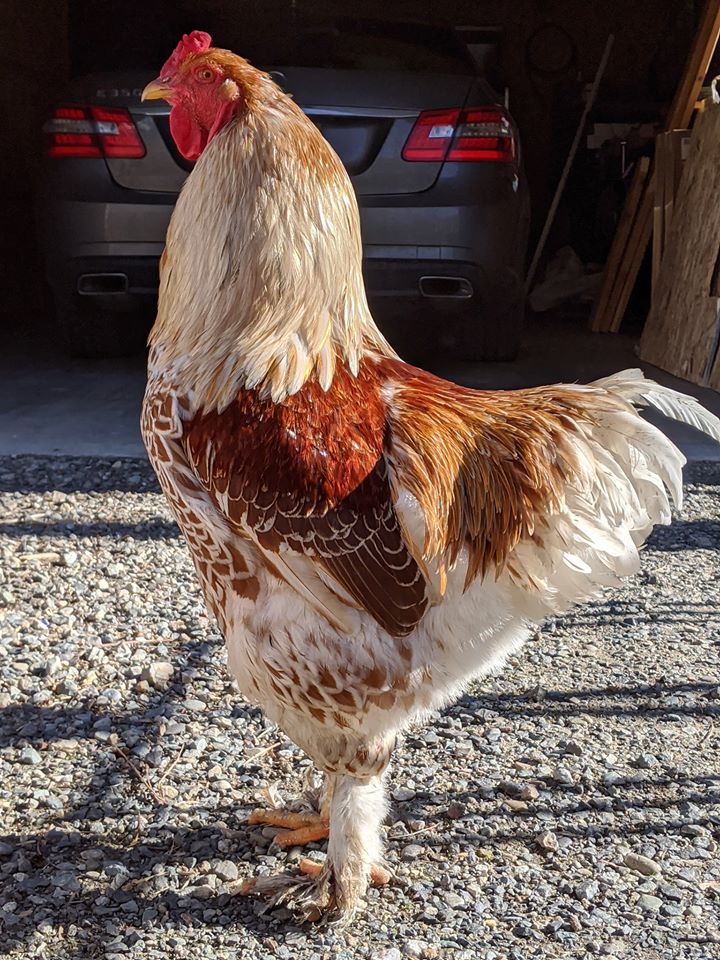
{"x": 357, "y": 809}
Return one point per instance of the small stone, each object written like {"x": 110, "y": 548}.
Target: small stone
{"x": 517, "y": 806}
{"x": 195, "y": 705}
{"x": 672, "y": 910}
{"x": 225, "y": 870}
{"x": 649, "y": 904}
{"x": 454, "y": 812}
{"x": 30, "y": 756}
{"x": 402, "y": 794}
{"x": 562, "y": 775}
{"x": 69, "y": 558}
{"x": 509, "y": 788}
{"x": 158, "y": 674}
{"x": 412, "y": 851}
{"x": 643, "y": 865}
{"x": 416, "y": 949}
{"x": 528, "y": 792}
{"x": 670, "y": 892}
{"x": 587, "y": 890}
{"x": 392, "y": 953}
{"x": 646, "y": 760}
{"x": 547, "y": 841}
{"x": 573, "y": 748}
{"x": 453, "y": 900}
{"x": 202, "y": 892}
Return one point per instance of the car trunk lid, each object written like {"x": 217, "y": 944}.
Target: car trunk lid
{"x": 365, "y": 115}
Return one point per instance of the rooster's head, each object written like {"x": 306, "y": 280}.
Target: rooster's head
{"x": 206, "y": 87}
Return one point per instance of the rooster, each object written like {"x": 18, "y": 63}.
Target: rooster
{"x": 368, "y": 536}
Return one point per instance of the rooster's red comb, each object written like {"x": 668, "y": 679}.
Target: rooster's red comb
{"x": 196, "y": 42}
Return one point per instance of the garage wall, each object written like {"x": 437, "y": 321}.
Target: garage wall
{"x": 33, "y": 64}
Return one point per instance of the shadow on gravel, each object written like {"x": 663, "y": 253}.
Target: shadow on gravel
{"x": 622, "y": 613}
{"x": 149, "y": 530}
{"x": 53, "y": 865}
{"x": 43, "y": 474}
{"x": 658, "y": 700}
{"x": 681, "y": 535}
{"x": 48, "y": 882}
{"x": 68, "y": 873}
{"x": 686, "y": 535}
{"x": 35, "y": 474}
{"x": 55, "y": 868}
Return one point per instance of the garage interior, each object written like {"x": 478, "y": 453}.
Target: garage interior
{"x": 608, "y": 78}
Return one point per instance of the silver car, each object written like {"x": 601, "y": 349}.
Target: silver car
{"x": 433, "y": 154}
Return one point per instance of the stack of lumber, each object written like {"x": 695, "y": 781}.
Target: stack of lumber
{"x": 635, "y": 227}
{"x": 682, "y": 333}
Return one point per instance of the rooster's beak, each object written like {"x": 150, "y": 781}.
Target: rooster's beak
{"x": 157, "y": 90}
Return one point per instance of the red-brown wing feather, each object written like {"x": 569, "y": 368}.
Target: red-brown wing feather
{"x": 309, "y": 476}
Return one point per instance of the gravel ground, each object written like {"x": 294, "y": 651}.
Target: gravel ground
{"x": 568, "y": 808}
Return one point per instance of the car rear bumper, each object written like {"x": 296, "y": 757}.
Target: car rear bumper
{"x": 436, "y": 287}
{"x": 462, "y": 257}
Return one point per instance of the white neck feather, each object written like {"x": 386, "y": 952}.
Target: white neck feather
{"x": 261, "y": 285}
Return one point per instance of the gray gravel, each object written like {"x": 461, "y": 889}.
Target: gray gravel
{"x": 568, "y": 808}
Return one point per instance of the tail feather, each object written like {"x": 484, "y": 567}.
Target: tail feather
{"x": 634, "y": 387}
{"x": 592, "y": 537}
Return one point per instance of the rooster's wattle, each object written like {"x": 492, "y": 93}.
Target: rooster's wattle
{"x": 368, "y": 536}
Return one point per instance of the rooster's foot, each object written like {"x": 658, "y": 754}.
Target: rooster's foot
{"x": 314, "y": 894}
{"x": 299, "y": 828}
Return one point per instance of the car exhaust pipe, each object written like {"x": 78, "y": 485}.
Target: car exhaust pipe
{"x": 100, "y": 284}
{"x": 456, "y": 288}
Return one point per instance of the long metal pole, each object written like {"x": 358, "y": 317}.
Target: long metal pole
{"x": 568, "y": 163}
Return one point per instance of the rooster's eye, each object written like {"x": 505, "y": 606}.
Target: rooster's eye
{"x": 205, "y": 75}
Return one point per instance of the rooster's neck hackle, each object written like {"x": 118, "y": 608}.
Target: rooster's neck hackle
{"x": 261, "y": 283}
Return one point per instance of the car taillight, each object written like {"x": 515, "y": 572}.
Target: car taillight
{"x": 93, "y": 132}
{"x": 477, "y": 134}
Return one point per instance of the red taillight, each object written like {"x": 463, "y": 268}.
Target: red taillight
{"x": 431, "y": 136}
{"x": 93, "y": 132}
{"x": 478, "y": 133}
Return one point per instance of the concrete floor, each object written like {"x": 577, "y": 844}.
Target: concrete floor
{"x": 50, "y": 404}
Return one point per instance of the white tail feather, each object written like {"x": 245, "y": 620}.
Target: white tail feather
{"x": 627, "y": 468}
{"x": 631, "y": 385}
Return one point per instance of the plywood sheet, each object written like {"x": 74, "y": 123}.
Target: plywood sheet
{"x": 680, "y": 332}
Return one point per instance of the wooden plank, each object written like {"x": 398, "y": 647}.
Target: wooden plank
{"x": 671, "y": 150}
{"x": 679, "y": 115}
{"x": 634, "y": 253}
{"x": 622, "y": 233}
{"x": 714, "y": 378}
{"x": 658, "y": 237}
{"x": 680, "y": 333}
{"x": 668, "y": 189}
{"x": 696, "y": 67}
